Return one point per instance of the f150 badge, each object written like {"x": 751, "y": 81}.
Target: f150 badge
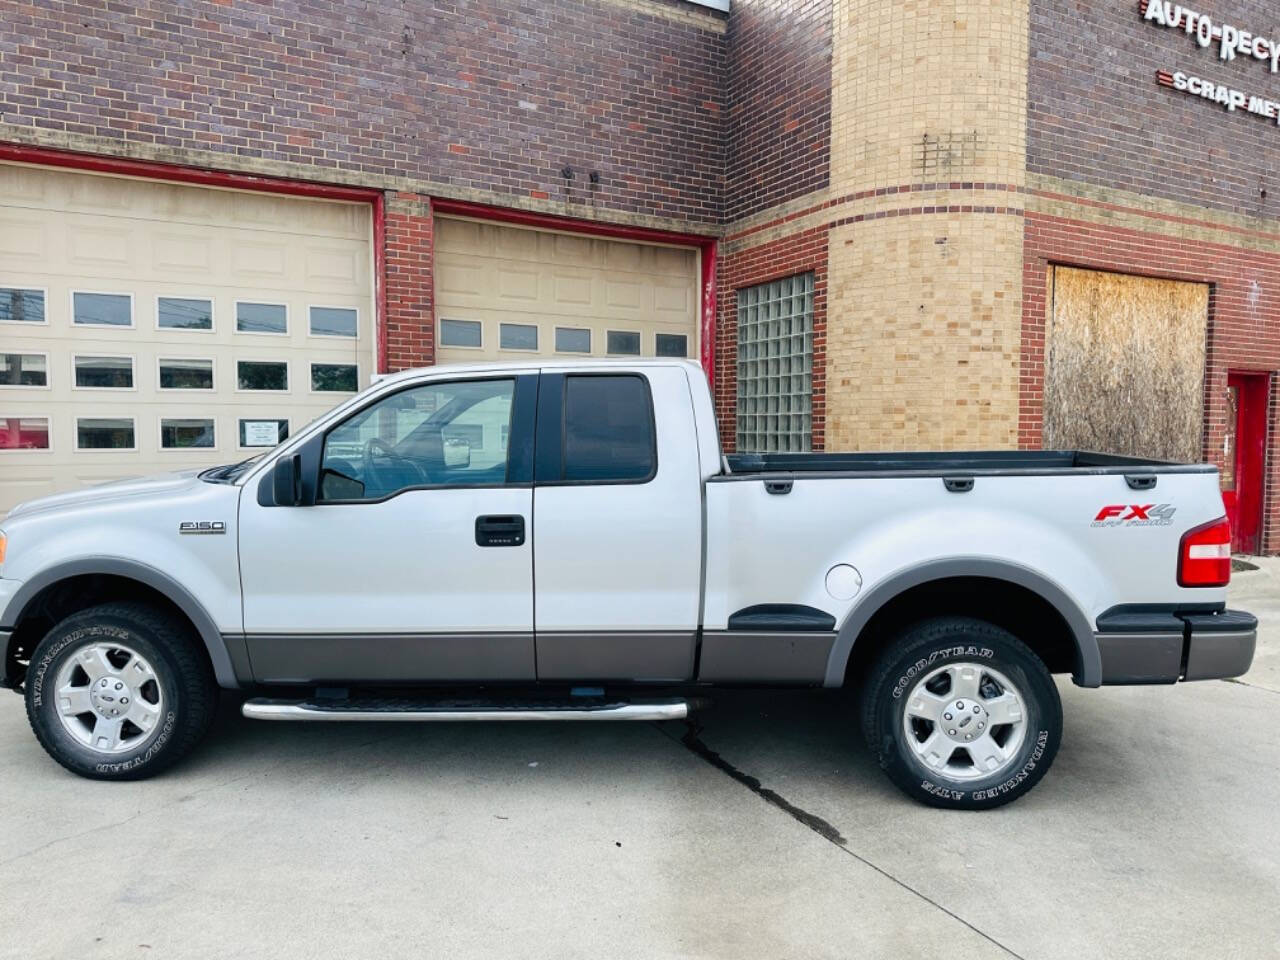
{"x": 1135, "y": 515}
{"x": 202, "y": 526}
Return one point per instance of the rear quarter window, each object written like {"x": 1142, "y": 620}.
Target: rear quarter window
{"x": 608, "y": 430}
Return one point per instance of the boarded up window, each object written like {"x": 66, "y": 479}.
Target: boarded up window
{"x": 1125, "y": 370}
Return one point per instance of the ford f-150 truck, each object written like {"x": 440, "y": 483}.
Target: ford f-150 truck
{"x": 565, "y": 540}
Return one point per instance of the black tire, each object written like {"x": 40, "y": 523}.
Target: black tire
{"x": 948, "y": 641}
{"x": 187, "y": 697}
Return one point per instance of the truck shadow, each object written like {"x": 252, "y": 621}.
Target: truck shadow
{"x": 742, "y": 733}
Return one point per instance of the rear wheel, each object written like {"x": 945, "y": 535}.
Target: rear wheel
{"x": 120, "y": 692}
{"x": 962, "y": 714}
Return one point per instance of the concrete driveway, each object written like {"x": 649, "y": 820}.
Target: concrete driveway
{"x": 765, "y": 832}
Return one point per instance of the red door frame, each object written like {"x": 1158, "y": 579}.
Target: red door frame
{"x": 177, "y": 173}
{"x": 705, "y": 244}
{"x": 1244, "y": 502}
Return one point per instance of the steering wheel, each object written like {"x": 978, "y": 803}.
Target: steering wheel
{"x": 376, "y": 447}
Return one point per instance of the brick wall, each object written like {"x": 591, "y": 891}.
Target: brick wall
{"x": 1244, "y": 323}
{"x": 491, "y": 96}
{"x": 779, "y": 102}
{"x": 410, "y": 294}
{"x": 1096, "y": 113}
{"x": 798, "y": 253}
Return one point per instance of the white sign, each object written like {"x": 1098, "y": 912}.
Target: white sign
{"x": 261, "y": 433}
{"x": 1232, "y": 40}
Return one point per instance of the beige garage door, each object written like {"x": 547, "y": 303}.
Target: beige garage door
{"x": 150, "y": 326}
{"x": 511, "y": 292}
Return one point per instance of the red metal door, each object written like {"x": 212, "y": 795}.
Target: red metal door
{"x": 1244, "y": 451}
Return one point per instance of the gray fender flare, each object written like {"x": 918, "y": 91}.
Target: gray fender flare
{"x": 1088, "y": 671}
{"x": 212, "y": 638}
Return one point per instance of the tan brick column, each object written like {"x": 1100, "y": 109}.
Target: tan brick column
{"x": 928, "y": 145}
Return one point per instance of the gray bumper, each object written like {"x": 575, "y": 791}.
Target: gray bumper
{"x": 1168, "y": 647}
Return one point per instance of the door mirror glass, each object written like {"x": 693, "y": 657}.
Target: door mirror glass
{"x": 457, "y": 453}
{"x": 284, "y": 481}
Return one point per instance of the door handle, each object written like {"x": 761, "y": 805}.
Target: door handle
{"x": 500, "y": 530}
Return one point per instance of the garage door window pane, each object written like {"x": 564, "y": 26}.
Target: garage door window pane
{"x": 517, "y": 336}
{"x": 775, "y": 366}
{"x": 186, "y": 374}
{"x": 333, "y": 321}
{"x": 107, "y": 372}
{"x": 104, "y": 433}
{"x": 182, "y": 434}
{"x": 262, "y": 375}
{"x": 24, "y": 370}
{"x": 572, "y": 340}
{"x": 24, "y": 433}
{"x": 102, "y": 309}
{"x": 178, "y": 313}
{"x": 263, "y": 433}
{"x": 21, "y": 306}
{"x": 262, "y": 318}
{"x": 460, "y": 333}
{"x": 623, "y": 343}
{"x": 334, "y": 377}
{"x": 671, "y": 345}
{"x": 608, "y": 429}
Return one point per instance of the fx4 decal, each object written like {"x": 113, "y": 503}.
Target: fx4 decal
{"x": 1135, "y": 515}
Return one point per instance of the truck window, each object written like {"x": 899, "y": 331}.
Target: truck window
{"x": 439, "y": 434}
{"x": 608, "y": 429}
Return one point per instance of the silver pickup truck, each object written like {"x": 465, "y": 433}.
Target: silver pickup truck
{"x": 566, "y": 541}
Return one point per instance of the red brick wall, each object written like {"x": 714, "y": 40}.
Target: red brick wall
{"x": 779, "y": 102}
{"x": 1096, "y": 114}
{"x": 1244, "y": 318}
{"x": 771, "y": 261}
{"x": 410, "y": 290}
{"x": 491, "y": 95}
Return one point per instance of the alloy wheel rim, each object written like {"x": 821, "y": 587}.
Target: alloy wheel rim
{"x": 965, "y": 721}
{"x": 109, "y": 698}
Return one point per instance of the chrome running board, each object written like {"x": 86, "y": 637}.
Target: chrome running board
{"x": 426, "y": 711}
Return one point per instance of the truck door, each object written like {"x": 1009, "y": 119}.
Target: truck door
{"x": 415, "y": 561}
{"x": 618, "y": 526}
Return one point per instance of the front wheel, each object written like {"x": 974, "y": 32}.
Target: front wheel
{"x": 119, "y": 692}
{"x": 962, "y": 714}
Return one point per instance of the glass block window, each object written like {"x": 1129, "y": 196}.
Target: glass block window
{"x": 775, "y": 366}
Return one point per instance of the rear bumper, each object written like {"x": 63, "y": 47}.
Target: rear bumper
{"x": 1165, "y": 647}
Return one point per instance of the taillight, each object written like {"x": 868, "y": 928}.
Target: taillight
{"x": 1204, "y": 556}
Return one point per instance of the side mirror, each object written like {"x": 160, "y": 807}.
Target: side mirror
{"x": 286, "y": 478}
{"x": 457, "y": 452}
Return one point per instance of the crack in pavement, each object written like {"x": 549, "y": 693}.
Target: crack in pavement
{"x": 1251, "y": 686}
{"x": 692, "y": 741}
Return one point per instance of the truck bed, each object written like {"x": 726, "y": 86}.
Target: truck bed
{"x": 968, "y": 462}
